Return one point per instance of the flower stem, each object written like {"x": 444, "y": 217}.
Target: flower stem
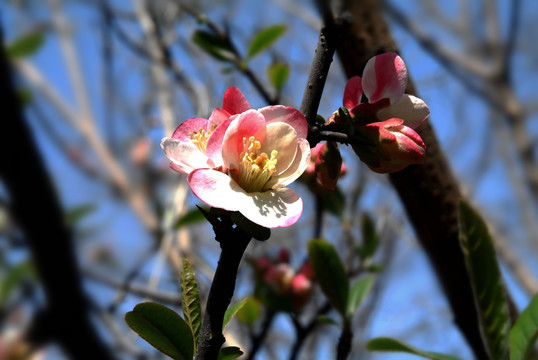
{"x": 233, "y": 243}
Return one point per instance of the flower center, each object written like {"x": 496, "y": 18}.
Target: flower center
{"x": 255, "y": 168}
{"x": 199, "y": 138}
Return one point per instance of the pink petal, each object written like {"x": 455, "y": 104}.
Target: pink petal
{"x": 409, "y": 108}
{"x": 214, "y": 143}
{"x": 185, "y": 157}
{"x": 250, "y": 123}
{"x": 385, "y": 76}
{"x": 275, "y": 208}
{"x": 283, "y": 138}
{"x": 218, "y": 116}
{"x": 288, "y": 115}
{"x": 234, "y": 101}
{"x": 296, "y": 169}
{"x": 188, "y": 126}
{"x": 353, "y": 92}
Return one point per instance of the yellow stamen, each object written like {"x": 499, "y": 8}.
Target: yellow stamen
{"x": 256, "y": 168}
{"x": 199, "y": 138}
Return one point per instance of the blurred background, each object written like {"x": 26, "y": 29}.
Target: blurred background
{"x": 101, "y": 82}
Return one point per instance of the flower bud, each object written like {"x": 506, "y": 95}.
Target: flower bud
{"x": 389, "y": 146}
{"x": 301, "y": 288}
{"x": 279, "y": 276}
{"x": 328, "y": 166}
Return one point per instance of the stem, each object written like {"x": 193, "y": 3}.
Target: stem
{"x": 258, "y": 339}
{"x": 233, "y": 243}
{"x": 344, "y": 343}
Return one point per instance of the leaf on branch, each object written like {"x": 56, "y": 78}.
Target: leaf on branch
{"x": 250, "y": 311}
{"x": 13, "y": 278}
{"x": 190, "y": 301}
{"x": 393, "y": 345}
{"x": 264, "y": 39}
{"x": 77, "y": 213}
{"x": 358, "y": 292}
{"x": 329, "y": 273}
{"x": 333, "y": 201}
{"x": 369, "y": 238}
{"x": 278, "y": 73}
{"x": 525, "y": 332}
{"x": 163, "y": 328}
{"x": 192, "y": 216}
{"x": 486, "y": 281}
{"x": 214, "y": 45}
{"x": 25, "y": 45}
{"x": 229, "y": 353}
{"x": 231, "y": 311}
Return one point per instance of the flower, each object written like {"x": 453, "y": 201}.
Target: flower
{"x": 389, "y": 146}
{"x": 261, "y": 152}
{"x": 197, "y": 142}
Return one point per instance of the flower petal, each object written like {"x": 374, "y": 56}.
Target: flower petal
{"x": 385, "y": 76}
{"x": 275, "y": 208}
{"x": 185, "y": 156}
{"x": 234, "y": 101}
{"x": 214, "y": 143}
{"x": 250, "y": 123}
{"x": 352, "y": 92}
{"x": 288, "y": 115}
{"x": 409, "y": 108}
{"x": 296, "y": 169}
{"x": 188, "y": 126}
{"x": 283, "y": 138}
{"x": 218, "y": 116}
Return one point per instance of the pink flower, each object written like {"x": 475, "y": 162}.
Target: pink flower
{"x": 301, "y": 289}
{"x": 384, "y": 82}
{"x": 389, "y": 146}
{"x": 279, "y": 277}
{"x": 197, "y": 142}
{"x": 262, "y": 151}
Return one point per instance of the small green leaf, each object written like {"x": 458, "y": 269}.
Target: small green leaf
{"x": 214, "y": 45}
{"x": 324, "y": 319}
{"x": 265, "y": 38}
{"x": 369, "y": 238}
{"x": 13, "y": 278}
{"x": 330, "y": 273}
{"x": 163, "y": 329}
{"x": 229, "y": 353}
{"x": 486, "y": 281}
{"x": 190, "y": 302}
{"x": 231, "y": 311}
{"x": 278, "y": 74}
{"x": 250, "y": 311}
{"x": 525, "y": 332}
{"x": 190, "y": 217}
{"x": 388, "y": 344}
{"x": 258, "y": 232}
{"x": 25, "y": 45}
{"x": 334, "y": 201}
{"x": 358, "y": 292}
{"x": 76, "y": 214}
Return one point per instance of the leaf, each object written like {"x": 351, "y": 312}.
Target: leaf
{"x": 258, "y": 232}
{"x": 192, "y": 216}
{"x": 486, "y": 281}
{"x": 214, "y": 45}
{"x": 388, "y": 344}
{"x": 229, "y": 353}
{"x": 190, "y": 302}
{"x": 358, "y": 292}
{"x": 525, "y": 332}
{"x": 14, "y": 276}
{"x": 25, "y": 45}
{"x": 231, "y": 311}
{"x": 369, "y": 238}
{"x": 163, "y": 329}
{"x": 265, "y": 38}
{"x": 75, "y": 214}
{"x": 324, "y": 319}
{"x": 329, "y": 273}
{"x": 278, "y": 74}
{"x": 333, "y": 201}
{"x": 250, "y": 311}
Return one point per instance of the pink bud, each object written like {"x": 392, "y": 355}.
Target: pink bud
{"x": 389, "y": 146}
{"x": 301, "y": 288}
{"x": 283, "y": 256}
{"x": 279, "y": 276}
{"x": 307, "y": 270}
{"x": 263, "y": 263}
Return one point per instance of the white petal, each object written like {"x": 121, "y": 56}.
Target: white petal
{"x": 409, "y": 108}
{"x": 184, "y": 155}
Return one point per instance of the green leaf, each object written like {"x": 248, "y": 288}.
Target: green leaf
{"x": 324, "y": 319}
{"x": 525, "y": 332}
{"x": 25, "y": 45}
{"x": 258, "y": 232}
{"x": 229, "y": 353}
{"x": 13, "y": 278}
{"x": 250, "y": 311}
{"x": 278, "y": 73}
{"x": 388, "y": 344}
{"x": 75, "y": 214}
{"x": 486, "y": 281}
{"x": 214, "y": 45}
{"x": 265, "y": 38}
{"x": 334, "y": 201}
{"x": 190, "y": 302}
{"x": 190, "y": 217}
{"x": 163, "y": 329}
{"x": 358, "y": 292}
{"x": 330, "y": 273}
{"x": 369, "y": 238}
{"x": 231, "y": 311}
